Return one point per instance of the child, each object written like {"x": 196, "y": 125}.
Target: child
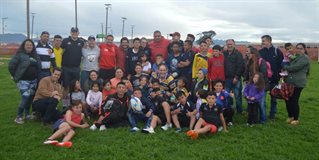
{"x": 211, "y": 118}
{"x": 181, "y": 86}
{"x": 128, "y": 85}
{"x": 225, "y": 100}
{"x": 143, "y": 81}
{"x": 159, "y": 60}
{"x": 200, "y": 83}
{"x": 144, "y": 115}
{"x": 216, "y": 65}
{"x": 147, "y": 66}
{"x": 286, "y": 60}
{"x": 107, "y": 90}
{"x": 183, "y": 113}
{"x": 201, "y": 98}
{"x": 72, "y": 119}
{"x": 254, "y": 92}
{"x": 135, "y": 78}
{"x": 94, "y": 98}
{"x": 76, "y": 94}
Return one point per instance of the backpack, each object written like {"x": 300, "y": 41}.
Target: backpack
{"x": 269, "y": 71}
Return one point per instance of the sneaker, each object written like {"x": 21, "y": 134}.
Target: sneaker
{"x": 289, "y": 120}
{"x": 220, "y": 129}
{"x": 102, "y": 128}
{"x": 134, "y": 129}
{"x": 148, "y": 130}
{"x": 294, "y": 122}
{"x": 178, "y": 130}
{"x": 230, "y": 124}
{"x": 166, "y": 127}
{"x": 194, "y": 136}
{"x": 93, "y": 127}
{"x": 249, "y": 125}
{"x": 29, "y": 117}
{"x": 190, "y": 133}
{"x": 49, "y": 141}
{"x": 19, "y": 120}
{"x": 67, "y": 144}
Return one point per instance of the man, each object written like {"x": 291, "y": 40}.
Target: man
{"x": 47, "y": 97}
{"x": 176, "y": 37}
{"x": 191, "y": 37}
{"x": 145, "y": 48}
{"x": 57, "y": 41}
{"x": 133, "y": 56}
{"x": 45, "y": 52}
{"x": 186, "y": 62}
{"x": 234, "y": 68}
{"x": 71, "y": 58}
{"x": 158, "y": 46}
{"x": 91, "y": 56}
{"x": 274, "y": 56}
{"x": 200, "y": 59}
{"x": 122, "y": 53}
{"x": 108, "y": 57}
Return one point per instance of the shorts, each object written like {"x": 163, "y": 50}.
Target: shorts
{"x": 69, "y": 74}
{"x": 57, "y": 124}
{"x": 213, "y": 128}
{"x": 184, "y": 121}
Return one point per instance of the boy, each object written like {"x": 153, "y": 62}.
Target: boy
{"x": 183, "y": 113}
{"x": 144, "y": 115}
{"x": 138, "y": 73}
{"x": 211, "y": 118}
{"x": 288, "y": 57}
{"x": 216, "y": 65}
{"x": 158, "y": 62}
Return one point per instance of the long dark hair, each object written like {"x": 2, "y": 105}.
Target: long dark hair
{"x": 22, "y": 49}
{"x": 72, "y": 89}
{"x": 252, "y": 63}
{"x": 306, "y": 53}
{"x": 260, "y": 85}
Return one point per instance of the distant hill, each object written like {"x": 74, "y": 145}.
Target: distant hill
{"x": 223, "y": 42}
{"x": 12, "y": 38}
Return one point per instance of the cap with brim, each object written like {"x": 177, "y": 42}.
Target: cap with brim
{"x": 91, "y": 38}
{"x": 175, "y": 34}
{"x": 74, "y": 29}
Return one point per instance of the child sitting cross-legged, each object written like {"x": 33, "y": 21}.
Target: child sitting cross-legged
{"x": 211, "y": 118}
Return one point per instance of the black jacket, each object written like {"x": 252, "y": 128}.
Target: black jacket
{"x": 234, "y": 64}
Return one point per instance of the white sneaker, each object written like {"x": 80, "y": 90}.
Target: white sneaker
{"x": 134, "y": 129}
{"x": 229, "y": 124}
{"x": 19, "y": 120}
{"x": 50, "y": 142}
{"x": 93, "y": 127}
{"x": 148, "y": 130}
{"x": 166, "y": 127}
{"x": 102, "y": 128}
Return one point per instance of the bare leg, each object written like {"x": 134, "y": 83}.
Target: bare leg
{"x": 175, "y": 121}
{"x": 192, "y": 122}
{"x": 63, "y": 128}
{"x": 199, "y": 124}
{"x": 68, "y": 136}
{"x": 167, "y": 111}
{"x": 155, "y": 120}
{"x": 204, "y": 129}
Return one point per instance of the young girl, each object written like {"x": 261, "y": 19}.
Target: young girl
{"x": 72, "y": 119}
{"x": 253, "y": 92}
{"x": 147, "y": 67}
{"x": 76, "y": 94}
{"x": 181, "y": 86}
{"x": 94, "y": 98}
{"x": 107, "y": 90}
{"x": 211, "y": 118}
{"x": 201, "y": 95}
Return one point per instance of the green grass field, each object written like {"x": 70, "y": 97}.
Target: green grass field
{"x": 273, "y": 140}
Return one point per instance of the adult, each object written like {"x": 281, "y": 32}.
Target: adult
{"x": 45, "y": 52}
{"x": 274, "y": 56}
{"x": 297, "y": 76}
{"x": 200, "y": 59}
{"x": 191, "y": 37}
{"x": 24, "y": 67}
{"x": 93, "y": 77}
{"x": 166, "y": 81}
{"x": 47, "y": 97}
{"x": 176, "y": 38}
{"x": 133, "y": 56}
{"x": 119, "y": 74}
{"x": 57, "y": 50}
{"x": 108, "y": 57}
{"x": 186, "y": 62}
{"x": 254, "y": 65}
{"x": 158, "y": 46}
{"x": 145, "y": 48}
{"x": 234, "y": 68}
{"x": 90, "y": 59}
{"x": 122, "y": 53}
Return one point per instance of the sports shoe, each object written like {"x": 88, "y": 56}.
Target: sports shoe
{"x": 148, "y": 130}
{"x": 178, "y": 130}
{"x": 102, "y": 128}
{"x": 49, "y": 141}
{"x": 93, "y": 127}
{"x": 166, "y": 127}
{"x": 289, "y": 120}
{"x": 29, "y": 117}
{"x": 230, "y": 124}
{"x": 294, "y": 122}
{"x": 19, "y": 120}
{"x": 249, "y": 125}
{"x": 134, "y": 129}
{"x": 66, "y": 144}
{"x": 220, "y": 129}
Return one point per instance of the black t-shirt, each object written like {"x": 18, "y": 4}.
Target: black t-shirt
{"x": 184, "y": 57}
{"x": 211, "y": 115}
{"x": 189, "y": 106}
{"x": 31, "y": 72}
{"x": 157, "y": 101}
{"x": 72, "y": 52}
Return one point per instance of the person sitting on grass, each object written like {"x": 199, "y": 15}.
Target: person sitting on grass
{"x": 94, "y": 98}
{"x": 74, "y": 118}
{"x": 183, "y": 113}
{"x": 211, "y": 118}
{"x": 201, "y": 98}
{"x": 107, "y": 89}
{"x": 135, "y": 78}
{"x": 76, "y": 94}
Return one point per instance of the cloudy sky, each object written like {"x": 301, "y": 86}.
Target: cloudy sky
{"x": 285, "y": 20}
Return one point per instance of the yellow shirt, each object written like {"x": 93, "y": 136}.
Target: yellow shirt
{"x": 199, "y": 62}
{"x": 58, "y": 56}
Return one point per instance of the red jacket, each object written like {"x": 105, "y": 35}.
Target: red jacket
{"x": 121, "y": 58}
{"x": 216, "y": 68}
{"x": 159, "y": 48}
{"x": 108, "y": 55}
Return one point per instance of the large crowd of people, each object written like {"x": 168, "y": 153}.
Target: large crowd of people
{"x": 164, "y": 82}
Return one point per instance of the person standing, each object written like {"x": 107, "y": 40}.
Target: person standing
{"x": 274, "y": 56}
{"x": 58, "y": 51}
{"x": 133, "y": 56}
{"x": 234, "y": 68}
{"x": 200, "y": 59}
{"x": 24, "y": 67}
{"x": 108, "y": 58}
{"x": 122, "y": 54}
{"x": 91, "y": 56}
{"x": 159, "y": 45}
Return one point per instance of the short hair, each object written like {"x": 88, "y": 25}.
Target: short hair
{"x": 183, "y": 79}
{"x": 57, "y": 36}
{"x": 95, "y": 83}
{"x": 159, "y": 55}
{"x": 143, "y": 38}
{"x": 95, "y": 71}
{"x": 179, "y": 94}
{"x": 288, "y": 45}
{"x": 189, "y": 42}
{"x": 136, "y": 39}
{"x": 120, "y": 83}
{"x": 138, "y": 64}
{"x": 217, "y": 47}
{"x": 57, "y": 69}
{"x": 175, "y": 43}
{"x": 106, "y": 81}
{"x": 218, "y": 81}
{"x": 202, "y": 93}
{"x": 157, "y": 31}
{"x": 143, "y": 76}
{"x": 230, "y": 40}
{"x": 155, "y": 80}
{"x": 268, "y": 37}
{"x": 124, "y": 39}
{"x": 109, "y": 35}
{"x": 208, "y": 37}
{"x": 191, "y": 35}
{"x": 137, "y": 89}
{"x": 203, "y": 42}
{"x": 211, "y": 93}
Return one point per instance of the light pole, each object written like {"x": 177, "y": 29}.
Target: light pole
{"x": 4, "y": 18}
{"x": 32, "y": 25}
{"x": 28, "y": 18}
{"x": 123, "y": 19}
{"x": 102, "y": 28}
{"x": 76, "y": 13}
{"x": 132, "y": 32}
{"x": 107, "y": 6}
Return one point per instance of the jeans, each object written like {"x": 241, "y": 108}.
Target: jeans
{"x": 27, "y": 90}
{"x": 84, "y": 77}
{"x": 237, "y": 89}
{"x": 134, "y": 117}
{"x": 253, "y": 112}
{"x": 262, "y": 109}
{"x": 48, "y": 109}
{"x": 273, "y": 103}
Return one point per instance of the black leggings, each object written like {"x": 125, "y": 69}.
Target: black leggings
{"x": 292, "y": 104}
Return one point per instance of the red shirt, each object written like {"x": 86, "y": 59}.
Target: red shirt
{"x": 216, "y": 68}
{"x": 108, "y": 55}
{"x": 159, "y": 48}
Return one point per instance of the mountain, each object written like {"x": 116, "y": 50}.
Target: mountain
{"x": 12, "y": 38}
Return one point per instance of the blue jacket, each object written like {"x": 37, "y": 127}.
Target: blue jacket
{"x": 251, "y": 91}
{"x": 224, "y": 100}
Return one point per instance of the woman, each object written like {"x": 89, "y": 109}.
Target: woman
{"x": 24, "y": 67}
{"x": 119, "y": 73}
{"x": 297, "y": 76}
{"x": 93, "y": 78}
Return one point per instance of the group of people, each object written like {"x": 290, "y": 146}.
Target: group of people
{"x": 159, "y": 83}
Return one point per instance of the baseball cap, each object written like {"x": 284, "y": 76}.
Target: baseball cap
{"x": 175, "y": 34}
{"x": 74, "y": 29}
{"x": 91, "y": 38}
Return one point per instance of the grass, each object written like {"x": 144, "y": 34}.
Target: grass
{"x": 273, "y": 140}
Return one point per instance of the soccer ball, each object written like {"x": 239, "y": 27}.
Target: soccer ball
{"x": 136, "y": 104}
